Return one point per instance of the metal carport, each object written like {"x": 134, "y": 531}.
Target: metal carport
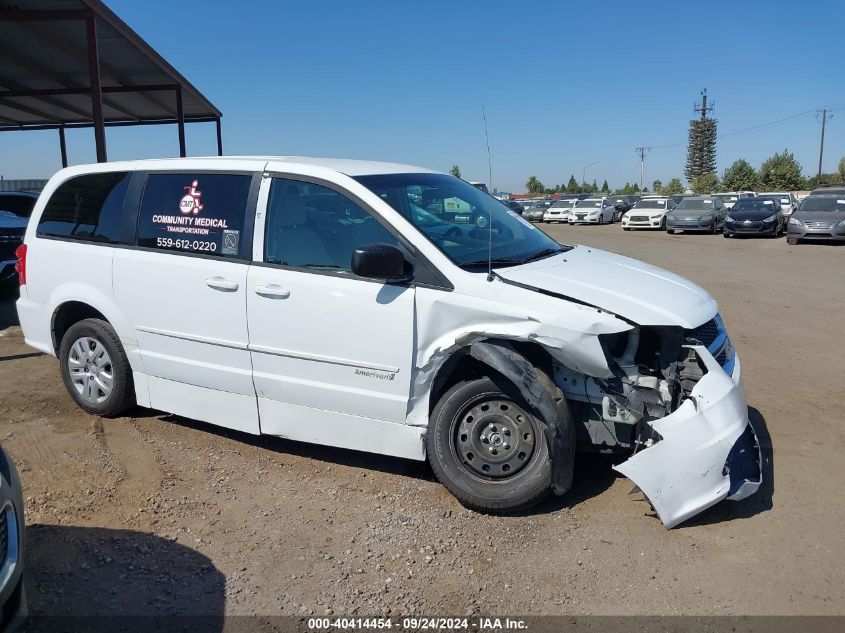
{"x": 75, "y": 64}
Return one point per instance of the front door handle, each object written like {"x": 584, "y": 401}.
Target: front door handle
{"x": 218, "y": 283}
{"x": 272, "y": 291}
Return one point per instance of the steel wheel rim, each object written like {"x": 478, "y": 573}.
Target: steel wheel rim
{"x": 91, "y": 370}
{"x": 493, "y": 438}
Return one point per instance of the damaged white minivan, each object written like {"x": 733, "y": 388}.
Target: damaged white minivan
{"x": 345, "y": 303}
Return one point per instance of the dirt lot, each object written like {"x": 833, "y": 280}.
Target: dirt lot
{"x": 153, "y": 514}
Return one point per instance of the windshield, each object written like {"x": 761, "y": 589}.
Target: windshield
{"x": 562, "y": 204}
{"x": 511, "y": 239}
{"x": 822, "y": 203}
{"x": 650, "y": 204}
{"x": 727, "y": 197}
{"x": 693, "y": 204}
{"x": 752, "y": 204}
{"x": 588, "y": 203}
{"x": 19, "y": 205}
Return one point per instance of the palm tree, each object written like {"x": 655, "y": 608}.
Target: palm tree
{"x": 534, "y": 185}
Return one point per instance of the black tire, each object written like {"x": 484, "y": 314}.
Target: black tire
{"x": 122, "y": 396}
{"x": 792, "y": 241}
{"x": 448, "y": 447}
{"x": 663, "y": 223}
{"x": 625, "y": 228}
{"x": 726, "y": 235}
{"x": 670, "y": 231}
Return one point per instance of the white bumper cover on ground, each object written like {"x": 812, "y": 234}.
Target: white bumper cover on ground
{"x": 709, "y": 450}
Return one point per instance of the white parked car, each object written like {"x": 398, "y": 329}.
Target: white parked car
{"x": 592, "y": 211}
{"x": 729, "y": 198}
{"x": 788, "y": 202}
{"x": 560, "y": 210}
{"x": 320, "y": 300}
{"x": 648, "y": 213}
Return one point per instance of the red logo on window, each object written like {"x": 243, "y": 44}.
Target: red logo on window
{"x": 190, "y": 202}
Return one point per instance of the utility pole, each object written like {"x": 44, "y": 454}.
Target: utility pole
{"x": 824, "y": 116}
{"x": 584, "y": 172}
{"x": 642, "y": 151}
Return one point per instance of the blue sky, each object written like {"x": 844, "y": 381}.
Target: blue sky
{"x": 564, "y": 83}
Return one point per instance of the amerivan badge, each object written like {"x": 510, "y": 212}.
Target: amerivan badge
{"x": 190, "y": 202}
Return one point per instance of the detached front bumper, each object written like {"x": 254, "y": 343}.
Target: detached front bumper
{"x": 821, "y": 231}
{"x": 708, "y": 451}
{"x": 687, "y": 224}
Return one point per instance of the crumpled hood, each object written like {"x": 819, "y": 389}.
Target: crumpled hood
{"x": 819, "y": 216}
{"x": 639, "y": 292}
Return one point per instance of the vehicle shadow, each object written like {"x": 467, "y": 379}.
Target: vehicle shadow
{"x": 8, "y": 312}
{"x": 340, "y": 456}
{"x": 759, "y": 502}
{"x": 97, "y": 579}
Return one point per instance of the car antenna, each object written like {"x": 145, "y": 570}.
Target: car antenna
{"x": 490, "y": 275}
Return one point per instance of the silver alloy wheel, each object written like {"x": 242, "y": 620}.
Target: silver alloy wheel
{"x": 90, "y": 368}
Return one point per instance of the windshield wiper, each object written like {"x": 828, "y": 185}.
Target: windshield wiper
{"x": 546, "y": 252}
{"x": 496, "y": 261}
{"x": 512, "y": 261}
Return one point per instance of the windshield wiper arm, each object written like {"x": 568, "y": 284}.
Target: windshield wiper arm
{"x": 546, "y": 252}
{"x": 496, "y": 261}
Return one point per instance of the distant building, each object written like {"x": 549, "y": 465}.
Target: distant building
{"x": 22, "y": 185}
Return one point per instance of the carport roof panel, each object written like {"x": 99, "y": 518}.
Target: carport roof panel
{"x": 42, "y": 54}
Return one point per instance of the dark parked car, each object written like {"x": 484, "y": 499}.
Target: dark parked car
{"x": 13, "y": 608}
{"x": 700, "y": 213}
{"x": 818, "y": 218}
{"x": 762, "y": 215}
{"x": 15, "y": 209}
{"x": 829, "y": 190}
{"x": 623, "y": 204}
{"x": 514, "y": 206}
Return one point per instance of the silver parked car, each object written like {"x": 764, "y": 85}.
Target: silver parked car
{"x": 818, "y": 218}
{"x": 701, "y": 213}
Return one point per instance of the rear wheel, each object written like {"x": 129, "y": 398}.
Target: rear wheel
{"x": 487, "y": 449}
{"x": 95, "y": 369}
{"x": 792, "y": 241}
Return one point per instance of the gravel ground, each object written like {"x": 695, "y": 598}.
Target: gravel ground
{"x": 155, "y": 514}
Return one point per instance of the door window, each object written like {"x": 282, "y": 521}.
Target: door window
{"x": 312, "y": 226}
{"x": 195, "y": 213}
{"x": 87, "y": 208}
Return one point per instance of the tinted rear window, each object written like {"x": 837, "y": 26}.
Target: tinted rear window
{"x": 86, "y": 208}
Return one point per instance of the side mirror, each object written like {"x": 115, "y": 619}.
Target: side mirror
{"x": 379, "y": 261}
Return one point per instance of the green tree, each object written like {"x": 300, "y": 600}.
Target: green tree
{"x": 841, "y": 169}
{"x": 594, "y": 188}
{"x": 657, "y": 186}
{"x": 572, "y": 185}
{"x": 673, "y": 187}
{"x": 455, "y": 171}
{"x": 604, "y": 187}
{"x": 534, "y": 185}
{"x": 706, "y": 183}
{"x": 781, "y": 172}
{"x": 701, "y": 149}
{"x": 741, "y": 176}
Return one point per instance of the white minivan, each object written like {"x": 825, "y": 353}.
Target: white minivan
{"x": 319, "y": 300}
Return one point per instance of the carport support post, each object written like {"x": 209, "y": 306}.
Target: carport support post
{"x": 96, "y": 89}
{"x": 63, "y": 145}
{"x": 219, "y": 138}
{"x": 180, "y": 120}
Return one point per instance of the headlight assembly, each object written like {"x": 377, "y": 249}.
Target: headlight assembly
{"x": 771, "y": 218}
{"x": 794, "y": 222}
{"x": 729, "y": 219}
{"x": 707, "y": 218}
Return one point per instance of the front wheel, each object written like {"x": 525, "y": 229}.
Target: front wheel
{"x": 95, "y": 369}
{"x": 487, "y": 449}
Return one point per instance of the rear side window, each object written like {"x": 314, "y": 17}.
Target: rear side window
{"x": 195, "y": 213}
{"x": 86, "y": 208}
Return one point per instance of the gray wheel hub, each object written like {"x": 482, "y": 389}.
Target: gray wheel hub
{"x": 91, "y": 371}
{"x": 494, "y": 438}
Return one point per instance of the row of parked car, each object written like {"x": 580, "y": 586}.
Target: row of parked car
{"x": 820, "y": 216}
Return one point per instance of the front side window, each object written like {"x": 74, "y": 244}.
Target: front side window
{"x": 311, "y": 226}
{"x": 88, "y": 208}
{"x": 469, "y": 221}
{"x": 195, "y": 213}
